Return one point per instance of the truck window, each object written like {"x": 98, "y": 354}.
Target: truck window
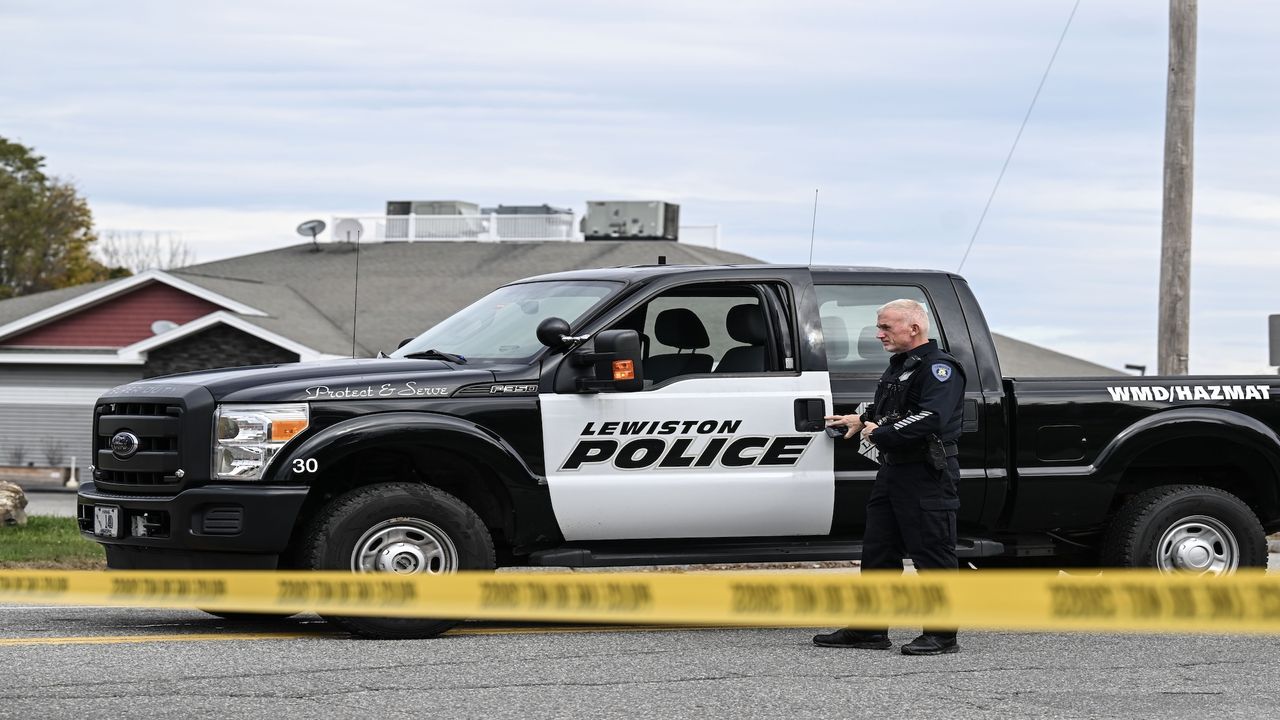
{"x": 848, "y": 315}
{"x": 502, "y": 326}
{"x": 719, "y": 329}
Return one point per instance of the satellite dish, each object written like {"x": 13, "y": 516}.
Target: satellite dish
{"x": 311, "y": 228}
{"x": 162, "y": 326}
{"x": 348, "y": 230}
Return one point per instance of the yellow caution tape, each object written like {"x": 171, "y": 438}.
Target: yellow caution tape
{"x": 1131, "y": 600}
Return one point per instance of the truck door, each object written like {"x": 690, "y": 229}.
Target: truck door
{"x": 856, "y": 359}
{"x": 722, "y": 441}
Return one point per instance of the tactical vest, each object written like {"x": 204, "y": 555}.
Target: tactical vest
{"x": 893, "y": 401}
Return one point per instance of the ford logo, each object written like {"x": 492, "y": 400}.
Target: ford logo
{"x": 124, "y": 444}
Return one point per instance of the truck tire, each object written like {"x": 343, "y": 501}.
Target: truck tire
{"x": 405, "y": 528}
{"x": 248, "y": 617}
{"x": 1185, "y": 528}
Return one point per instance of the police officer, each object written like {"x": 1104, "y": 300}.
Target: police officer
{"x": 914, "y": 422}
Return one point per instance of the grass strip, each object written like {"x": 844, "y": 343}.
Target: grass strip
{"x": 48, "y": 543}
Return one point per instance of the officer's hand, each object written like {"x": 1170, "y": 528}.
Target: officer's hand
{"x": 853, "y": 422}
{"x": 866, "y": 430}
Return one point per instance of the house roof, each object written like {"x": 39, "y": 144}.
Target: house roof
{"x": 405, "y": 288}
{"x": 287, "y": 312}
{"x": 221, "y": 317}
{"x": 1023, "y": 359}
{"x": 15, "y": 309}
{"x": 303, "y": 299}
{"x": 100, "y": 292}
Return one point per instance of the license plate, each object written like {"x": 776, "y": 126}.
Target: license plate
{"x": 106, "y": 521}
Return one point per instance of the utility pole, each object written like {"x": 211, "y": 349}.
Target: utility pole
{"x": 1175, "y": 237}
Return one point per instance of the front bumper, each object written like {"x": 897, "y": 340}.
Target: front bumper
{"x": 214, "y": 526}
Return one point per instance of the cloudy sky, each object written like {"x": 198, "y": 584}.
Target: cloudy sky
{"x": 231, "y": 122}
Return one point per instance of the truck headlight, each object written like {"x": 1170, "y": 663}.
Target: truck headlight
{"x": 247, "y": 437}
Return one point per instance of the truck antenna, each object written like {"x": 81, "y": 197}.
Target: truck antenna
{"x": 355, "y": 297}
{"x": 814, "y": 225}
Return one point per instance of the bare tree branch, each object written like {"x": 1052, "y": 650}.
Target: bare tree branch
{"x": 142, "y": 250}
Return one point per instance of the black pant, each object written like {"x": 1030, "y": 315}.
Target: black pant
{"x": 912, "y": 513}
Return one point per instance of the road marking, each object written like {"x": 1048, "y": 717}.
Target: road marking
{"x": 127, "y": 639}
{"x": 569, "y": 629}
{"x": 7, "y": 608}
{"x": 203, "y": 637}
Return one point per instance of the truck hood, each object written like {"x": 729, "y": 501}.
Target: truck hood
{"x": 366, "y": 378}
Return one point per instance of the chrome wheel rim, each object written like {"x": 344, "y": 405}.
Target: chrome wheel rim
{"x": 405, "y": 546}
{"x": 1200, "y": 545}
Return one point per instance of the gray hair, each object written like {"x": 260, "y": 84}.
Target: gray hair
{"x": 911, "y": 310}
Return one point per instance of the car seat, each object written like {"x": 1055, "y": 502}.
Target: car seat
{"x": 678, "y": 328}
{"x": 745, "y": 324}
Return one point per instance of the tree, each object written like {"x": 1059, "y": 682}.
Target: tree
{"x": 46, "y": 228}
{"x": 142, "y": 250}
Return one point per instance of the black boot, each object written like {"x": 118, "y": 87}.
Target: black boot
{"x": 850, "y": 638}
{"x": 932, "y": 644}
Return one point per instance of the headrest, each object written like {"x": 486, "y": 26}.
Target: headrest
{"x": 745, "y": 324}
{"x": 836, "y": 334}
{"x": 680, "y": 328}
{"x": 869, "y": 346}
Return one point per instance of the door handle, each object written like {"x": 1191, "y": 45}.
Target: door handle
{"x": 970, "y": 420}
{"x": 809, "y": 414}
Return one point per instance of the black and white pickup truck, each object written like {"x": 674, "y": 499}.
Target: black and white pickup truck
{"x": 661, "y": 415}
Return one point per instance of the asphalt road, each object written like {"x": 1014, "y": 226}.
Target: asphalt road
{"x": 59, "y": 503}
{"x": 108, "y": 662}
{"x": 73, "y": 662}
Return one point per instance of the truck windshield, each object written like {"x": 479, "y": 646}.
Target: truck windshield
{"x": 501, "y": 326}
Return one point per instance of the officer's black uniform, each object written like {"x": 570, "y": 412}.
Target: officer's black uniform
{"x": 912, "y": 508}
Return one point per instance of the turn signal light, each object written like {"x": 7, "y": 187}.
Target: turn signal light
{"x": 285, "y": 429}
{"x": 624, "y": 370}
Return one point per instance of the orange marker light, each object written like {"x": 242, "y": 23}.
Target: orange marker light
{"x": 282, "y": 430}
{"x": 624, "y": 370}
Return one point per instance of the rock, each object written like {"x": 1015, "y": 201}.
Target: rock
{"x": 12, "y": 504}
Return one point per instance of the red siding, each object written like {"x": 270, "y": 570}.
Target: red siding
{"x": 118, "y": 321}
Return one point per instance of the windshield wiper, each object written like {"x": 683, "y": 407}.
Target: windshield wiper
{"x": 437, "y": 355}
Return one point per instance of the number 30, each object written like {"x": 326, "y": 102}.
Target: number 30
{"x": 308, "y": 465}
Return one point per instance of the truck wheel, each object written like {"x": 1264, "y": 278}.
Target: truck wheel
{"x": 1185, "y": 528}
{"x": 402, "y": 528}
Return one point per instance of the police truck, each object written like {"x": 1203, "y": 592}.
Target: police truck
{"x": 664, "y": 415}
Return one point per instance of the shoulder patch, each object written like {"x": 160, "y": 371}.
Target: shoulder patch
{"x": 942, "y": 371}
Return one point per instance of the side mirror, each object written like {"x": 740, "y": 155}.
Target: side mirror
{"x": 616, "y": 360}
{"x": 551, "y": 330}
{"x": 404, "y": 342}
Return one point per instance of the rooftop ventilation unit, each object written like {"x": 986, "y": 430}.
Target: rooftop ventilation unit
{"x": 631, "y": 220}
{"x": 443, "y": 207}
{"x": 542, "y": 209}
{"x": 403, "y": 221}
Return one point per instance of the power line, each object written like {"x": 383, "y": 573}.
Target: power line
{"x": 1018, "y": 137}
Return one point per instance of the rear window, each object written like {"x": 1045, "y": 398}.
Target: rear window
{"x": 849, "y": 324}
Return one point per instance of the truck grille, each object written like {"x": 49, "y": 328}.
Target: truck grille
{"x": 157, "y": 426}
